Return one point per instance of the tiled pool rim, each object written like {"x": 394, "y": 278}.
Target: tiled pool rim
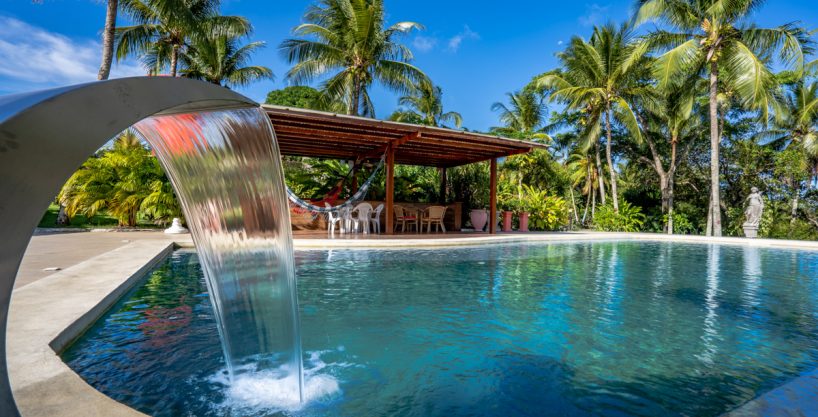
{"x": 45, "y": 386}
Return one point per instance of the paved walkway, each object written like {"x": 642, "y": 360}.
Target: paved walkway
{"x": 66, "y": 249}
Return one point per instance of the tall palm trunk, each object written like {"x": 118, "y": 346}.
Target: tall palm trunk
{"x": 574, "y": 204}
{"x": 174, "y": 60}
{"x": 715, "y": 140}
{"x": 355, "y": 100}
{"x": 611, "y": 171}
{"x": 589, "y": 182}
{"x": 587, "y": 205}
{"x": 599, "y": 175}
{"x": 593, "y": 207}
{"x": 670, "y": 182}
{"x": 108, "y": 40}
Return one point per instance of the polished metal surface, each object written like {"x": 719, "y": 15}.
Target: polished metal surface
{"x": 46, "y": 135}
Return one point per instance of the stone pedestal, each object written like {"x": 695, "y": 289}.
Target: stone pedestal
{"x": 176, "y": 228}
{"x": 750, "y": 231}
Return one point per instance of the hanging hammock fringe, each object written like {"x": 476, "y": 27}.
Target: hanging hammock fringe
{"x": 358, "y": 196}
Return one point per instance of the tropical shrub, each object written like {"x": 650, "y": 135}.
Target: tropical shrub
{"x": 125, "y": 181}
{"x": 546, "y": 212}
{"x": 629, "y": 218}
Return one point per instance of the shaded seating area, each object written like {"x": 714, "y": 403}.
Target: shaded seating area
{"x": 310, "y": 133}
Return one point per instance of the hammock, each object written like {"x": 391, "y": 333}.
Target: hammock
{"x": 358, "y": 196}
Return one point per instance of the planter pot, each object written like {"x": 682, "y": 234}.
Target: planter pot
{"x": 479, "y": 218}
{"x": 523, "y": 222}
{"x": 507, "y": 220}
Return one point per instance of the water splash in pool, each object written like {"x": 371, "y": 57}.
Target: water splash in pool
{"x": 272, "y": 390}
{"x": 226, "y": 169}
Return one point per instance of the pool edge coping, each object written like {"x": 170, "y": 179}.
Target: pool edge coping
{"x": 43, "y": 368}
{"x": 44, "y": 385}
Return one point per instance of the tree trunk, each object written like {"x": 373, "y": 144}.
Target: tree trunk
{"x": 670, "y": 206}
{"x": 593, "y": 207}
{"x": 794, "y": 212}
{"x": 611, "y": 170}
{"x": 574, "y": 204}
{"x": 715, "y": 141}
{"x": 108, "y": 40}
{"x": 587, "y": 205}
{"x": 174, "y": 60}
{"x": 670, "y": 184}
{"x": 663, "y": 188}
{"x": 354, "y": 101}
{"x": 599, "y": 175}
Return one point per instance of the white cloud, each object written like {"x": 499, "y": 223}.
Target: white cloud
{"x": 32, "y": 57}
{"x": 594, "y": 15}
{"x": 465, "y": 34}
{"x": 424, "y": 43}
{"x": 560, "y": 42}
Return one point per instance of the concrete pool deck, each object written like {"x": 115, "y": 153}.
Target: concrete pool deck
{"x": 50, "y": 309}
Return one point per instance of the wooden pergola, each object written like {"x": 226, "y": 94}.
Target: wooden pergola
{"x": 318, "y": 134}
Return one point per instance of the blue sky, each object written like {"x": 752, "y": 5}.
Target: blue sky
{"x": 476, "y": 50}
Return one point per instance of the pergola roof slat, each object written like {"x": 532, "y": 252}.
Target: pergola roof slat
{"x": 326, "y": 135}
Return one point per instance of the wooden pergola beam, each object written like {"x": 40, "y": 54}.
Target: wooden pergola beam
{"x": 392, "y": 145}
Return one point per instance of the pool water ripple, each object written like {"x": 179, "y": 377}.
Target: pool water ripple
{"x": 605, "y": 328}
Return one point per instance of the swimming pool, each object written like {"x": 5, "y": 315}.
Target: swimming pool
{"x": 602, "y": 328}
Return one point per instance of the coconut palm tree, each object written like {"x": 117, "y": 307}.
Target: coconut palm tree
{"x": 796, "y": 124}
{"x": 425, "y": 106}
{"x": 597, "y": 76}
{"x": 584, "y": 173}
{"x": 796, "y": 121}
{"x": 348, "y": 41}
{"x": 707, "y": 37}
{"x": 221, "y": 59}
{"x": 523, "y": 117}
{"x": 164, "y": 29}
{"x": 111, "y": 9}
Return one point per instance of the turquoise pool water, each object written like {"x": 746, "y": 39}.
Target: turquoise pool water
{"x": 605, "y": 328}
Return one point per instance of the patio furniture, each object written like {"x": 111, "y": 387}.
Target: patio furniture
{"x": 404, "y": 218}
{"x": 346, "y": 219}
{"x": 362, "y": 216}
{"x": 333, "y": 221}
{"x": 376, "y": 219}
{"x": 433, "y": 215}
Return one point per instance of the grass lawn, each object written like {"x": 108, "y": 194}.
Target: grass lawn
{"x": 79, "y": 221}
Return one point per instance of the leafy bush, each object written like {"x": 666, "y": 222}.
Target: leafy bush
{"x": 546, "y": 212}
{"x": 126, "y": 181}
{"x": 629, "y": 218}
{"x": 681, "y": 224}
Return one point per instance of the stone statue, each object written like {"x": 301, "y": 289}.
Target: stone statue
{"x": 755, "y": 207}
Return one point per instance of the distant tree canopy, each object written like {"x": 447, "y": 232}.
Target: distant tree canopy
{"x": 302, "y": 97}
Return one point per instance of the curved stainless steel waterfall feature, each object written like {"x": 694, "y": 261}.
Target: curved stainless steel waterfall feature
{"x": 45, "y": 136}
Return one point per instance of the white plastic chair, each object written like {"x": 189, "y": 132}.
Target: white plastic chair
{"x": 345, "y": 213}
{"x": 376, "y": 219}
{"x": 333, "y": 220}
{"x": 362, "y": 218}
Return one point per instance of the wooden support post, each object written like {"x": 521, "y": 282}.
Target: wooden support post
{"x": 390, "y": 190}
{"x": 493, "y": 197}
{"x": 443, "y": 185}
